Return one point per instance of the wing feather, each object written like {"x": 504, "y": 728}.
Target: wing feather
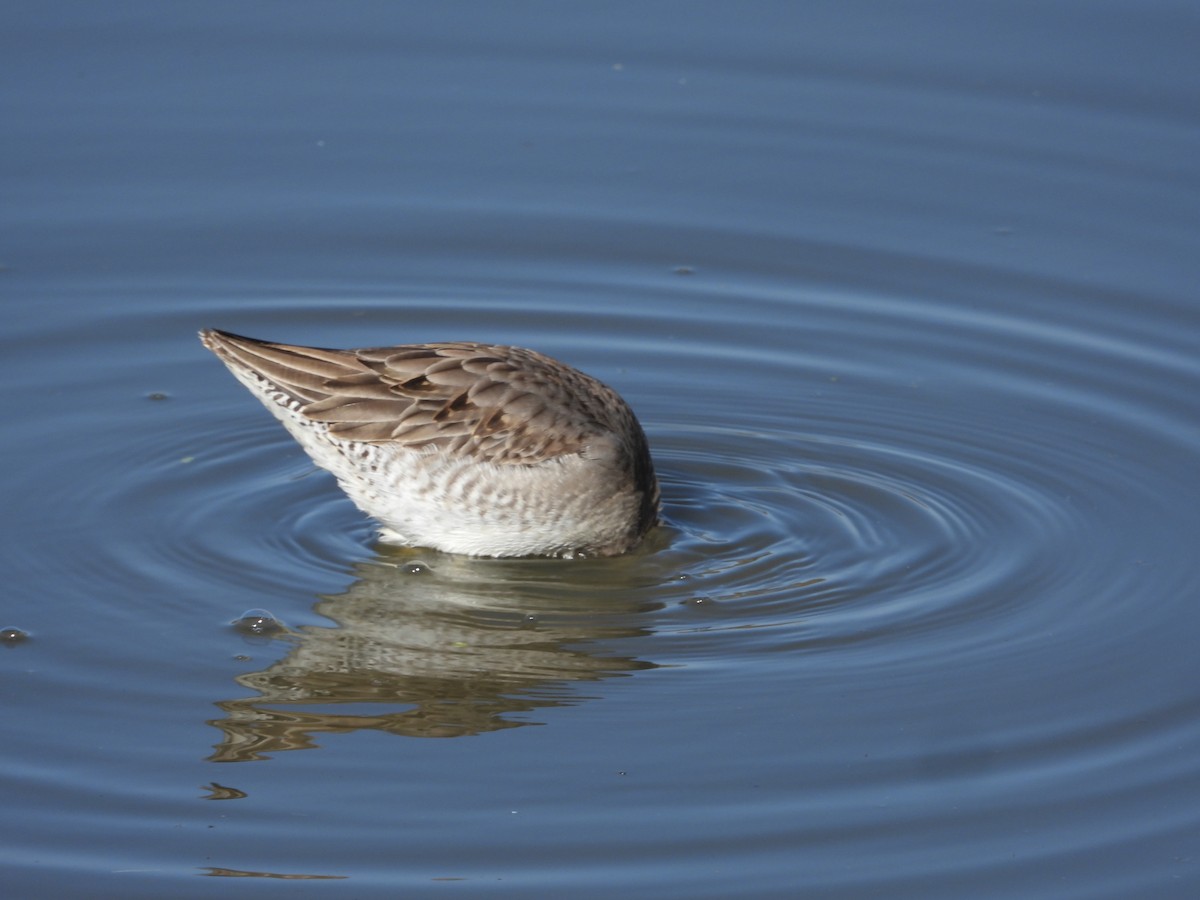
{"x": 501, "y": 404}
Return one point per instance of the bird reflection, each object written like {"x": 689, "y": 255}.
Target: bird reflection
{"x": 443, "y": 648}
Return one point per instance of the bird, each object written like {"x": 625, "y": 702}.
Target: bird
{"x": 462, "y": 447}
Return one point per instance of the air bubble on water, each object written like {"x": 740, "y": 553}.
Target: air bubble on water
{"x": 258, "y": 623}
{"x": 10, "y": 637}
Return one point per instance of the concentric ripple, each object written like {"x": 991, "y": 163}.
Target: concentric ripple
{"x": 828, "y": 502}
{"x": 833, "y": 540}
{"x": 889, "y": 507}
{"x": 940, "y": 523}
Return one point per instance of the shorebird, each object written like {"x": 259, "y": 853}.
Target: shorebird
{"x": 468, "y": 448}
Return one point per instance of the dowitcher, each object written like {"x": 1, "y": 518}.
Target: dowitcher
{"x": 463, "y": 447}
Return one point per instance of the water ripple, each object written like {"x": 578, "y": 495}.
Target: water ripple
{"x": 908, "y": 313}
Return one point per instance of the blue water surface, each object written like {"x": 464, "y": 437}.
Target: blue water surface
{"x": 905, "y": 298}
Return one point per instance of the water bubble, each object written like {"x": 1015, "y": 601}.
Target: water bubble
{"x": 258, "y": 623}
{"x": 416, "y": 568}
{"x": 10, "y": 637}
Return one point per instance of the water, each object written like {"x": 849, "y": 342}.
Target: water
{"x": 905, "y": 299}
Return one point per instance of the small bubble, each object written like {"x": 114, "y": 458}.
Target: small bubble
{"x": 258, "y": 623}
{"x": 416, "y": 568}
{"x": 10, "y": 637}
{"x": 700, "y": 601}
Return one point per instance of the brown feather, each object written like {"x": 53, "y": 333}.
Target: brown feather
{"x": 503, "y": 404}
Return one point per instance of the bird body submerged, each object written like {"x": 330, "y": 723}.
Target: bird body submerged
{"x": 463, "y": 447}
